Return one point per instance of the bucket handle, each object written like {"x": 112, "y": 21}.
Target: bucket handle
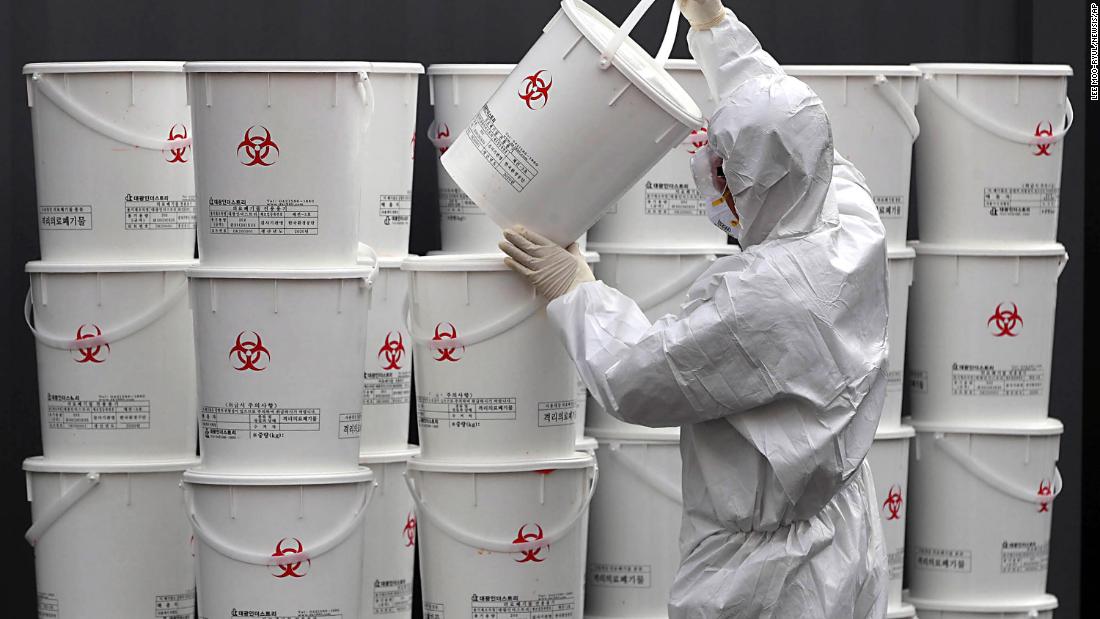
{"x": 607, "y": 55}
{"x": 85, "y": 117}
{"x": 1062, "y": 262}
{"x": 889, "y": 92}
{"x": 984, "y": 473}
{"x": 992, "y": 126}
{"x": 225, "y": 549}
{"x": 440, "y": 142}
{"x": 673, "y": 287}
{"x": 661, "y": 485}
{"x": 485, "y": 333}
{"x": 110, "y": 335}
{"x": 507, "y": 546}
{"x": 366, "y": 95}
{"x": 54, "y": 512}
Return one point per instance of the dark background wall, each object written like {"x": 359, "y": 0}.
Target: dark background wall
{"x": 434, "y": 31}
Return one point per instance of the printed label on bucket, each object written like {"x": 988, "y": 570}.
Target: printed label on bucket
{"x": 387, "y": 388}
{"x": 624, "y": 576}
{"x": 268, "y": 613}
{"x": 259, "y": 420}
{"x": 673, "y": 199}
{"x": 391, "y": 596}
{"x": 147, "y": 211}
{"x": 455, "y": 205}
{"x": 48, "y": 606}
{"x": 175, "y": 605}
{"x": 942, "y": 559}
{"x": 896, "y": 561}
{"x": 893, "y": 380}
{"x": 1020, "y": 557}
{"x": 544, "y": 606}
{"x": 918, "y": 380}
{"x": 395, "y": 209}
{"x": 890, "y": 207}
{"x": 462, "y": 410}
{"x": 273, "y": 217}
{"x": 988, "y": 379}
{"x": 106, "y": 412}
{"x": 501, "y": 151}
{"x": 559, "y": 413}
{"x": 433, "y": 610}
{"x": 65, "y": 217}
{"x": 1022, "y": 201}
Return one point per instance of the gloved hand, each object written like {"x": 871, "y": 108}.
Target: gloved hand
{"x": 702, "y": 14}
{"x": 553, "y": 271}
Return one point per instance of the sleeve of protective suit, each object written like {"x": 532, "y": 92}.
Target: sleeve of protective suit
{"x": 729, "y": 54}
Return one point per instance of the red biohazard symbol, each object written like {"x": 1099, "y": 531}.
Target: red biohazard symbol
{"x": 443, "y": 132}
{"x": 294, "y": 570}
{"x": 1005, "y": 322}
{"x": 1043, "y": 149}
{"x": 90, "y": 354}
{"x": 536, "y": 89}
{"x": 258, "y": 150}
{"x": 1045, "y": 491}
{"x": 697, "y": 139}
{"x": 410, "y": 531}
{"x": 446, "y": 331}
{"x": 176, "y": 154}
{"x": 523, "y": 538}
{"x": 249, "y": 353}
{"x": 893, "y": 502}
{"x": 392, "y": 351}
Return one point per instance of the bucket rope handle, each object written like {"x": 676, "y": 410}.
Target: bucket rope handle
{"x": 984, "y": 473}
{"x": 661, "y": 485}
{"x": 85, "y": 117}
{"x": 109, "y": 335}
{"x": 441, "y": 142}
{"x": 673, "y": 287}
{"x": 669, "y": 39}
{"x": 889, "y": 92}
{"x": 477, "y": 336}
{"x": 263, "y": 558}
{"x": 366, "y": 95}
{"x": 992, "y": 126}
{"x": 54, "y": 512}
{"x": 480, "y": 543}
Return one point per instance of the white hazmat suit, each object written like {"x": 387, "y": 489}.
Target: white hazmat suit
{"x": 775, "y": 367}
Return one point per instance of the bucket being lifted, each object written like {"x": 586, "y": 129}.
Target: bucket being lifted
{"x": 889, "y": 461}
{"x": 112, "y": 161}
{"x": 584, "y": 114}
{"x": 387, "y": 373}
{"x": 389, "y": 538}
{"x": 900, "y": 269}
{"x": 990, "y": 159}
{"x": 279, "y": 150}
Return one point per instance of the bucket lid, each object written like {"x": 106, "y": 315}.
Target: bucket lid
{"x": 42, "y": 266}
{"x": 665, "y": 435}
{"x": 397, "y": 67}
{"x": 901, "y": 611}
{"x": 384, "y": 457}
{"x": 975, "y": 68}
{"x": 1043, "y": 601}
{"x": 587, "y": 444}
{"x": 277, "y": 66}
{"x": 41, "y": 464}
{"x": 578, "y": 460}
{"x": 852, "y": 70}
{"x": 636, "y": 64}
{"x": 209, "y": 478}
{"x": 901, "y": 431}
{"x": 901, "y": 253}
{"x": 935, "y": 249}
{"x": 447, "y": 261}
{"x": 355, "y": 272}
{"x": 1040, "y": 427}
{"x": 470, "y": 69}
{"x": 627, "y": 248}
{"x": 115, "y": 66}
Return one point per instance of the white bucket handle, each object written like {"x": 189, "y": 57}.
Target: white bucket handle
{"x": 438, "y": 142}
{"x": 476, "y": 336}
{"x": 263, "y": 558}
{"x": 54, "y": 512}
{"x": 898, "y": 102}
{"x": 1062, "y": 262}
{"x": 607, "y": 55}
{"x": 984, "y": 473}
{"x": 661, "y": 485}
{"x": 366, "y": 95}
{"x": 477, "y": 542}
{"x": 992, "y": 126}
{"x": 109, "y": 335}
{"x": 85, "y": 117}
{"x": 673, "y": 287}
{"x": 669, "y": 39}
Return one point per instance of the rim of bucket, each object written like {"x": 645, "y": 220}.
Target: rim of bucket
{"x": 1044, "y": 601}
{"x": 383, "y": 262}
{"x": 978, "y": 68}
{"x": 214, "y": 478}
{"x": 935, "y": 249}
{"x": 43, "y": 266}
{"x": 355, "y": 272}
{"x": 109, "y": 66}
{"x": 470, "y": 69}
{"x": 579, "y": 460}
{"x": 626, "y": 248}
{"x": 385, "y": 457}
{"x": 1042, "y": 427}
{"x": 904, "y": 610}
{"x": 588, "y": 443}
{"x": 440, "y": 261}
{"x": 669, "y": 435}
{"x": 681, "y": 64}
{"x": 901, "y": 253}
{"x": 636, "y": 64}
{"x": 42, "y": 464}
{"x": 852, "y": 70}
{"x": 277, "y": 66}
{"x": 902, "y": 431}
{"x": 397, "y": 67}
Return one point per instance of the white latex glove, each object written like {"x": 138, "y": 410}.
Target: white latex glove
{"x": 702, "y": 14}
{"x": 552, "y": 270}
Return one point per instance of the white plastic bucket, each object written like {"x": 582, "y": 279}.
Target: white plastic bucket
{"x": 634, "y": 527}
{"x": 389, "y": 538}
{"x": 289, "y": 546}
{"x": 387, "y": 374}
{"x": 588, "y": 445}
{"x": 664, "y": 208}
{"x": 387, "y": 165}
{"x": 116, "y": 361}
{"x": 581, "y": 399}
{"x": 900, "y": 265}
{"x": 279, "y": 150}
{"x": 112, "y": 159}
{"x": 499, "y": 540}
{"x": 990, "y": 160}
{"x": 889, "y": 460}
{"x": 584, "y": 114}
{"x": 901, "y": 611}
{"x": 871, "y": 112}
{"x": 280, "y": 356}
{"x": 982, "y": 322}
{"x": 110, "y": 540}
{"x": 1042, "y": 607}
{"x": 980, "y": 512}
{"x": 493, "y": 381}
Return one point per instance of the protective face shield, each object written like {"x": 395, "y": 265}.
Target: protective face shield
{"x": 710, "y": 180}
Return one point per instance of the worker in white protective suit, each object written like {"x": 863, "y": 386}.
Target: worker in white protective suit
{"x": 775, "y": 366}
